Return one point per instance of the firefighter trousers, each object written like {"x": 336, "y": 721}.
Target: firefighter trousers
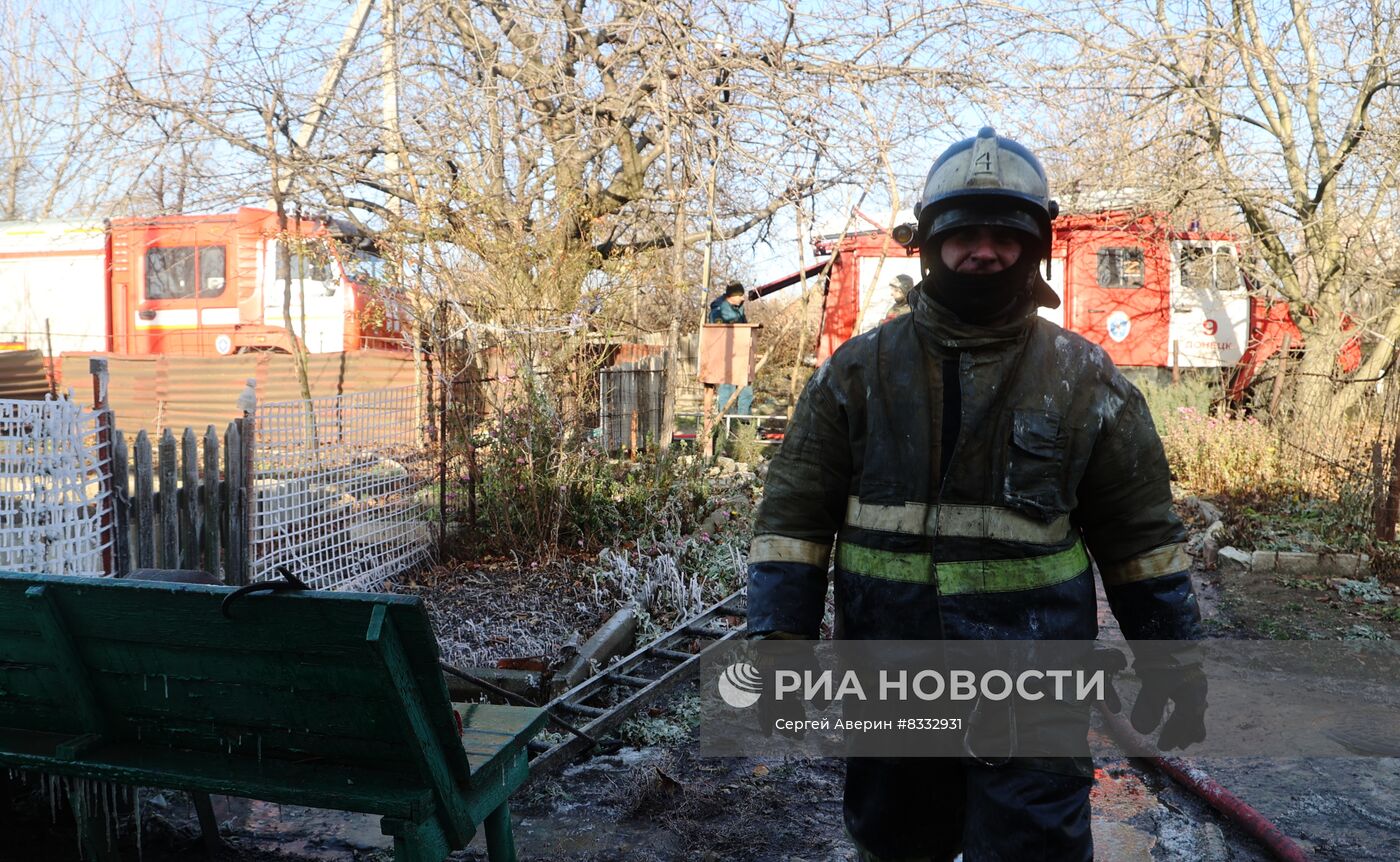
{"x": 930, "y": 809}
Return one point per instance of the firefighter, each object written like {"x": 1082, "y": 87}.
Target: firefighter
{"x": 900, "y": 286}
{"x": 969, "y": 459}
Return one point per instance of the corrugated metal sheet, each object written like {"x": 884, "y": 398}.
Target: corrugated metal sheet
{"x": 22, "y": 375}
{"x": 151, "y": 393}
{"x": 629, "y": 352}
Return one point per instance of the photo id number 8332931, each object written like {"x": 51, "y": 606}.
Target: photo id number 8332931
{"x": 929, "y": 724}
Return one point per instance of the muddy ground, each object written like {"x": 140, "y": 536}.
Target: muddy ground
{"x": 655, "y": 800}
{"x": 649, "y": 804}
{"x": 1298, "y": 607}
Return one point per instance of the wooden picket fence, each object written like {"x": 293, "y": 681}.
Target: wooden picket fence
{"x": 179, "y": 508}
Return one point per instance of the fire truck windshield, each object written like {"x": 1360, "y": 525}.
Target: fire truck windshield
{"x": 1208, "y": 267}
{"x": 365, "y": 268}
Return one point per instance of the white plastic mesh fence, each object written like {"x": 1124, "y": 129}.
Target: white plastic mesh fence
{"x": 336, "y": 483}
{"x": 53, "y": 502}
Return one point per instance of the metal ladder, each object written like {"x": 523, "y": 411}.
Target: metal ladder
{"x": 609, "y": 697}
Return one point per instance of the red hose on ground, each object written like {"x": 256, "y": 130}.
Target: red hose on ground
{"x": 1201, "y": 784}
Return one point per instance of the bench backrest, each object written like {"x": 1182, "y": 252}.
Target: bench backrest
{"x": 332, "y": 700}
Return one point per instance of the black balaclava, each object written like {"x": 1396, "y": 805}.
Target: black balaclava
{"x": 981, "y": 298}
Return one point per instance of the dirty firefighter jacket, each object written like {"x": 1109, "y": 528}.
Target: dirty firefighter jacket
{"x": 1055, "y": 455}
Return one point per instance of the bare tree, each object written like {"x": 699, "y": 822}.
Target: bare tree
{"x": 574, "y": 135}
{"x": 1281, "y": 117}
{"x": 556, "y": 166}
{"x": 60, "y": 152}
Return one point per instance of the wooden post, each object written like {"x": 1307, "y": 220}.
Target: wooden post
{"x": 628, "y": 380}
{"x": 52, "y": 370}
{"x": 655, "y": 407}
{"x": 428, "y": 397}
{"x": 237, "y": 540}
{"x": 189, "y": 500}
{"x": 208, "y": 825}
{"x": 420, "y": 413}
{"x": 1378, "y": 488}
{"x": 121, "y": 490}
{"x": 145, "y": 509}
{"x": 443, "y": 385}
{"x": 1176, "y": 362}
{"x": 248, "y": 503}
{"x": 473, "y": 399}
{"x": 644, "y": 409}
{"x": 98, "y": 369}
{"x": 1392, "y": 497}
{"x": 209, "y": 503}
{"x": 500, "y": 844}
{"x": 169, "y": 503}
{"x": 1278, "y": 380}
{"x": 603, "y": 409}
{"x": 707, "y": 423}
{"x": 670, "y": 361}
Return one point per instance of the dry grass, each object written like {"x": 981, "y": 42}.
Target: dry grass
{"x": 1227, "y": 456}
{"x": 1297, "y": 484}
{"x": 503, "y": 608}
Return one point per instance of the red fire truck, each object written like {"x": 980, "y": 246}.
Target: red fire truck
{"x": 190, "y": 284}
{"x": 1150, "y": 295}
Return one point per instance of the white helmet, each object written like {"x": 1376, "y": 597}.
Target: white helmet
{"x": 986, "y": 180}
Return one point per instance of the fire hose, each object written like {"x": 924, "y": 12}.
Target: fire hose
{"x": 1199, "y": 783}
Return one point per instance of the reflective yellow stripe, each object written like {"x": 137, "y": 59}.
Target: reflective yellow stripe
{"x": 1166, "y": 560}
{"x": 951, "y": 519}
{"x": 965, "y": 576}
{"x": 781, "y": 549}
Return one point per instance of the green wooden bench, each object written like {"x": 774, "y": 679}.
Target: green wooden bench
{"x": 330, "y": 700}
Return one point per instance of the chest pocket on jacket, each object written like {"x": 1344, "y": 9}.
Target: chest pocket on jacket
{"x": 1035, "y": 466}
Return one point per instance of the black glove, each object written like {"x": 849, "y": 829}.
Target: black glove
{"x": 783, "y": 651}
{"x": 1111, "y": 662}
{"x": 1182, "y": 684}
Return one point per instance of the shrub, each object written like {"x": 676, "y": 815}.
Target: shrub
{"x": 1293, "y": 491}
{"x": 1164, "y": 399}
{"x": 1225, "y": 455}
{"x": 744, "y": 445}
{"x": 545, "y": 486}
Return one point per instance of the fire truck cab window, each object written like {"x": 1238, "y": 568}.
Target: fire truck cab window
{"x": 173, "y": 272}
{"x": 212, "y": 271}
{"x": 1197, "y": 269}
{"x": 367, "y": 268}
{"x": 1205, "y": 269}
{"x": 1120, "y": 267}
{"x": 304, "y": 266}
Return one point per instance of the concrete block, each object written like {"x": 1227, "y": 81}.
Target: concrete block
{"x": 1231, "y": 557}
{"x": 1340, "y": 565}
{"x": 1264, "y": 561}
{"x": 1296, "y": 563}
